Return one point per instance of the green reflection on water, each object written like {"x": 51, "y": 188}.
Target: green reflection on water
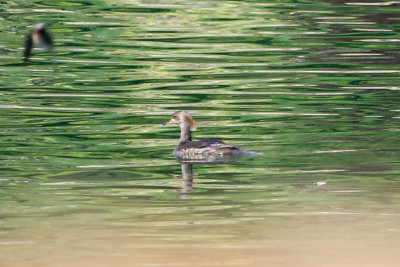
{"x": 314, "y": 86}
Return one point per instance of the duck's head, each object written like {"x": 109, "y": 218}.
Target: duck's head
{"x": 40, "y": 27}
{"x": 183, "y": 119}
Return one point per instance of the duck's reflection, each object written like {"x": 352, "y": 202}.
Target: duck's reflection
{"x": 189, "y": 178}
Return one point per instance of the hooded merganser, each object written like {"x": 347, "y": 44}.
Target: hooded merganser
{"x": 209, "y": 150}
{"x": 38, "y": 37}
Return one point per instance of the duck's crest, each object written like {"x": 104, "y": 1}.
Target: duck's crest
{"x": 190, "y": 120}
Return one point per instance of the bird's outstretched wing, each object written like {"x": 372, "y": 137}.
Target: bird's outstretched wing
{"x": 28, "y": 46}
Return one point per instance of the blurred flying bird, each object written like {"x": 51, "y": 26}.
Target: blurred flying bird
{"x": 38, "y": 37}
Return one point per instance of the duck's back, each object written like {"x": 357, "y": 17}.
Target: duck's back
{"x": 205, "y": 148}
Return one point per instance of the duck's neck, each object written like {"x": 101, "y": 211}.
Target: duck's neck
{"x": 186, "y": 134}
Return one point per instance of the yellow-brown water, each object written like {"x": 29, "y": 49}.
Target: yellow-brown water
{"x": 88, "y": 177}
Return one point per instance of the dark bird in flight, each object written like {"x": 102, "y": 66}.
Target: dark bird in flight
{"x": 38, "y": 37}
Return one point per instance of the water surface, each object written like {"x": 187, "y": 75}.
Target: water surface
{"x": 88, "y": 177}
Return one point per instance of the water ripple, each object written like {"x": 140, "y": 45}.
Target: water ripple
{"x": 51, "y": 108}
{"x": 312, "y": 85}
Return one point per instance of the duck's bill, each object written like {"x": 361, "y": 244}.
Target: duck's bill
{"x": 171, "y": 121}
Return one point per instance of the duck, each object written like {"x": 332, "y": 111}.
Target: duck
{"x": 208, "y": 150}
{"x": 38, "y": 37}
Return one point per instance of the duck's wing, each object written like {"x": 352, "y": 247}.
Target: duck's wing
{"x": 207, "y": 150}
{"x": 214, "y": 144}
{"x": 206, "y": 143}
{"x": 28, "y": 46}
